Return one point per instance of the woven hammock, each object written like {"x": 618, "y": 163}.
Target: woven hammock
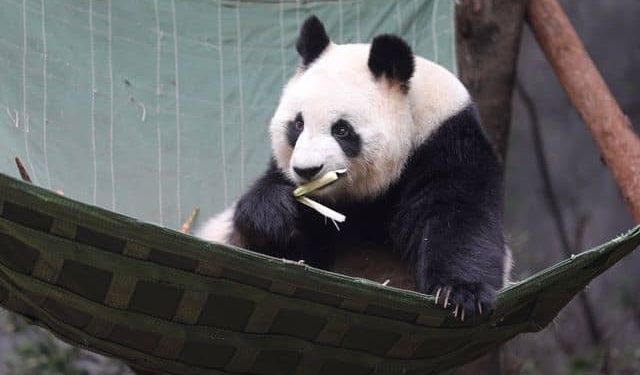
{"x": 162, "y": 300}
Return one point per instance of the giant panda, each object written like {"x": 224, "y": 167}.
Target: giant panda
{"x": 422, "y": 179}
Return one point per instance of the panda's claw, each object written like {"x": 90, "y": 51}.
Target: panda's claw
{"x": 446, "y": 299}
{"x": 464, "y": 301}
{"x": 459, "y": 312}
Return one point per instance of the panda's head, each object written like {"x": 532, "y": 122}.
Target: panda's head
{"x": 347, "y": 106}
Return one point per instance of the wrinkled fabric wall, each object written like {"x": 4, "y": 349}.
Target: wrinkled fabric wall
{"x": 151, "y": 108}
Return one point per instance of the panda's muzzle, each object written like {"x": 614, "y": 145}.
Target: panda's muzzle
{"x": 308, "y": 173}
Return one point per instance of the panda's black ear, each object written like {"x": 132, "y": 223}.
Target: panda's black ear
{"x": 392, "y": 58}
{"x": 312, "y": 40}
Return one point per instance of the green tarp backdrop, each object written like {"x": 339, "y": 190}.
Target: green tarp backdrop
{"x": 151, "y": 108}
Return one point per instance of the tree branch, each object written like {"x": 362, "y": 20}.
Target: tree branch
{"x": 619, "y": 145}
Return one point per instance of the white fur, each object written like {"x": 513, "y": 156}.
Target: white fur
{"x": 390, "y": 123}
{"x": 219, "y": 227}
{"x": 435, "y": 95}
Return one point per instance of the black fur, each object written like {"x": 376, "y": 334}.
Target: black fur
{"x": 312, "y": 41}
{"x": 292, "y": 131}
{"x": 351, "y": 144}
{"x": 270, "y": 221}
{"x": 390, "y": 56}
{"x": 267, "y": 215}
{"x": 443, "y": 217}
{"x": 448, "y": 216}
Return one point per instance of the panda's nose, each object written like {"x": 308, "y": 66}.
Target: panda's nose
{"x": 307, "y": 173}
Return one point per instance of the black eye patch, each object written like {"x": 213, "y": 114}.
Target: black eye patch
{"x": 294, "y": 129}
{"x": 347, "y": 138}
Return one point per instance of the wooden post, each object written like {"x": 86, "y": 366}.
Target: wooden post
{"x": 487, "y": 46}
{"x": 619, "y": 145}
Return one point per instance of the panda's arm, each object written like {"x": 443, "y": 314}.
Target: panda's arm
{"x": 266, "y": 215}
{"x": 449, "y": 220}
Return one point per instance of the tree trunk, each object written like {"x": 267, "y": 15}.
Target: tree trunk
{"x": 487, "y": 42}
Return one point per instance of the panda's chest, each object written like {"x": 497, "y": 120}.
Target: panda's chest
{"x": 365, "y": 221}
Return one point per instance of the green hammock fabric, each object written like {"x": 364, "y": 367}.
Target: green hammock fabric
{"x": 162, "y": 300}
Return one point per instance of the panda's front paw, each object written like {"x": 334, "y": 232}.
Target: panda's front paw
{"x": 267, "y": 223}
{"x": 465, "y": 300}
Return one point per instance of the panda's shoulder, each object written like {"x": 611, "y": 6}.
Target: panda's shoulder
{"x": 436, "y": 95}
{"x": 458, "y": 143}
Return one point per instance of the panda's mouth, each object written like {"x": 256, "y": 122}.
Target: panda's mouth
{"x": 320, "y": 185}
{"x": 325, "y": 181}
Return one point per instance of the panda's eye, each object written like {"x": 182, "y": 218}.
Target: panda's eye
{"x": 299, "y": 125}
{"x": 341, "y": 131}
